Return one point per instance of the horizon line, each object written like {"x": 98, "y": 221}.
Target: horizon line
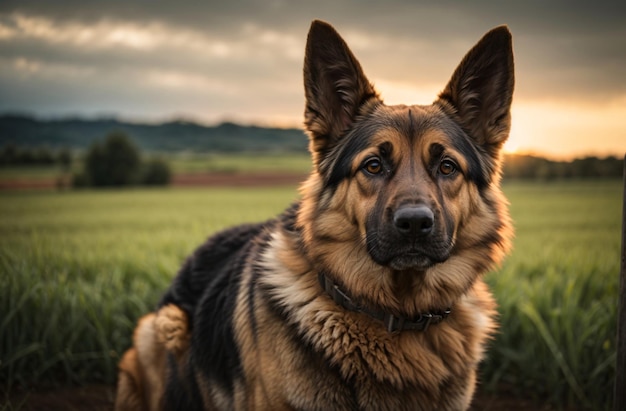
{"x": 135, "y": 120}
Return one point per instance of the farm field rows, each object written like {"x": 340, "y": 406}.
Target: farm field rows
{"x": 78, "y": 268}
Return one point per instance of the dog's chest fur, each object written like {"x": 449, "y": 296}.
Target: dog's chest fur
{"x": 350, "y": 354}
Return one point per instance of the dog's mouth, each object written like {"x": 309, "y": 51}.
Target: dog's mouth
{"x": 409, "y": 257}
{"x": 416, "y": 260}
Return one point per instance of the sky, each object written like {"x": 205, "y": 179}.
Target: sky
{"x": 214, "y": 61}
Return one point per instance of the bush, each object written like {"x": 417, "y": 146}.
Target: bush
{"x": 156, "y": 172}
{"x": 117, "y": 162}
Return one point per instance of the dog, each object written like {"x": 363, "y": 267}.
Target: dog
{"x": 367, "y": 293}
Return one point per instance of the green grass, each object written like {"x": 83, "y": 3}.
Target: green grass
{"x": 241, "y": 163}
{"x": 558, "y": 293}
{"x": 29, "y": 172}
{"x": 78, "y": 268}
{"x": 298, "y": 163}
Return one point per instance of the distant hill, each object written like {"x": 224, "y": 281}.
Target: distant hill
{"x": 25, "y": 131}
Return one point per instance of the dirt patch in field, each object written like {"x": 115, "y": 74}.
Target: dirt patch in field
{"x": 98, "y": 397}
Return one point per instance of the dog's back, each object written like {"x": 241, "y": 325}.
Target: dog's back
{"x": 213, "y": 268}
{"x": 206, "y": 289}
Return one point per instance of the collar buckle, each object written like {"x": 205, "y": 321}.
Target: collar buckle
{"x": 393, "y": 323}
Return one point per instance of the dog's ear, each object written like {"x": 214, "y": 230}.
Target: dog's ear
{"x": 335, "y": 87}
{"x": 481, "y": 90}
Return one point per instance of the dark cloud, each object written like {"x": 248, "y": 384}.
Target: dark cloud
{"x": 244, "y": 53}
{"x": 397, "y": 17}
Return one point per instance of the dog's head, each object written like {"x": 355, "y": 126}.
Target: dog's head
{"x": 406, "y": 189}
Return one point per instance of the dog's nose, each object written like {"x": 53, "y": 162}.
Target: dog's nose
{"x": 414, "y": 221}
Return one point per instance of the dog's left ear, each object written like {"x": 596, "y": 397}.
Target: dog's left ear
{"x": 481, "y": 90}
{"x": 335, "y": 87}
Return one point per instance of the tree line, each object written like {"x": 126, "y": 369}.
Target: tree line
{"x": 117, "y": 161}
{"x": 538, "y": 168}
{"x": 13, "y": 155}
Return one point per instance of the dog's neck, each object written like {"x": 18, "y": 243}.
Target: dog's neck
{"x": 392, "y": 322}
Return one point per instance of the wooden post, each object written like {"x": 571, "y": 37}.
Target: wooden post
{"x": 620, "y": 372}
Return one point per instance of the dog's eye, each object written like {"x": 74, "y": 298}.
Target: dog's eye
{"x": 373, "y": 166}
{"x": 447, "y": 167}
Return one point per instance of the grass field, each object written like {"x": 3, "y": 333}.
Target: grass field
{"x": 558, "y": 293}
{"x": 78, "y": 268}
{"x": 295, "y": 163}
{"x": 241, "y": 163}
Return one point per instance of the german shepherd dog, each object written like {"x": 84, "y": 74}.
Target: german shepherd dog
{"x": 367, "y": 293}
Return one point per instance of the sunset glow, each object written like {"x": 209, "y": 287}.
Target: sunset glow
{"x": 216, "y": 63}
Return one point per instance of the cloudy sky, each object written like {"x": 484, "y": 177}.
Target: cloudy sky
{"x": 211, "y": 61}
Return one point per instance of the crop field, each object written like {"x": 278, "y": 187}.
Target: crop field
{"x": 78, "y": 268}
{"x": 299, "y": 163}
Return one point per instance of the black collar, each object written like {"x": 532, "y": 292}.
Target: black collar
{"x": 393, "y": 323}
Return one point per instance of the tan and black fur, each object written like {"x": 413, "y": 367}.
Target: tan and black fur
{"x": 402, "y": 213}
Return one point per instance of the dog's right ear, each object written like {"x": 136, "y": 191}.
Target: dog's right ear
{"x": 335, "y": 88}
